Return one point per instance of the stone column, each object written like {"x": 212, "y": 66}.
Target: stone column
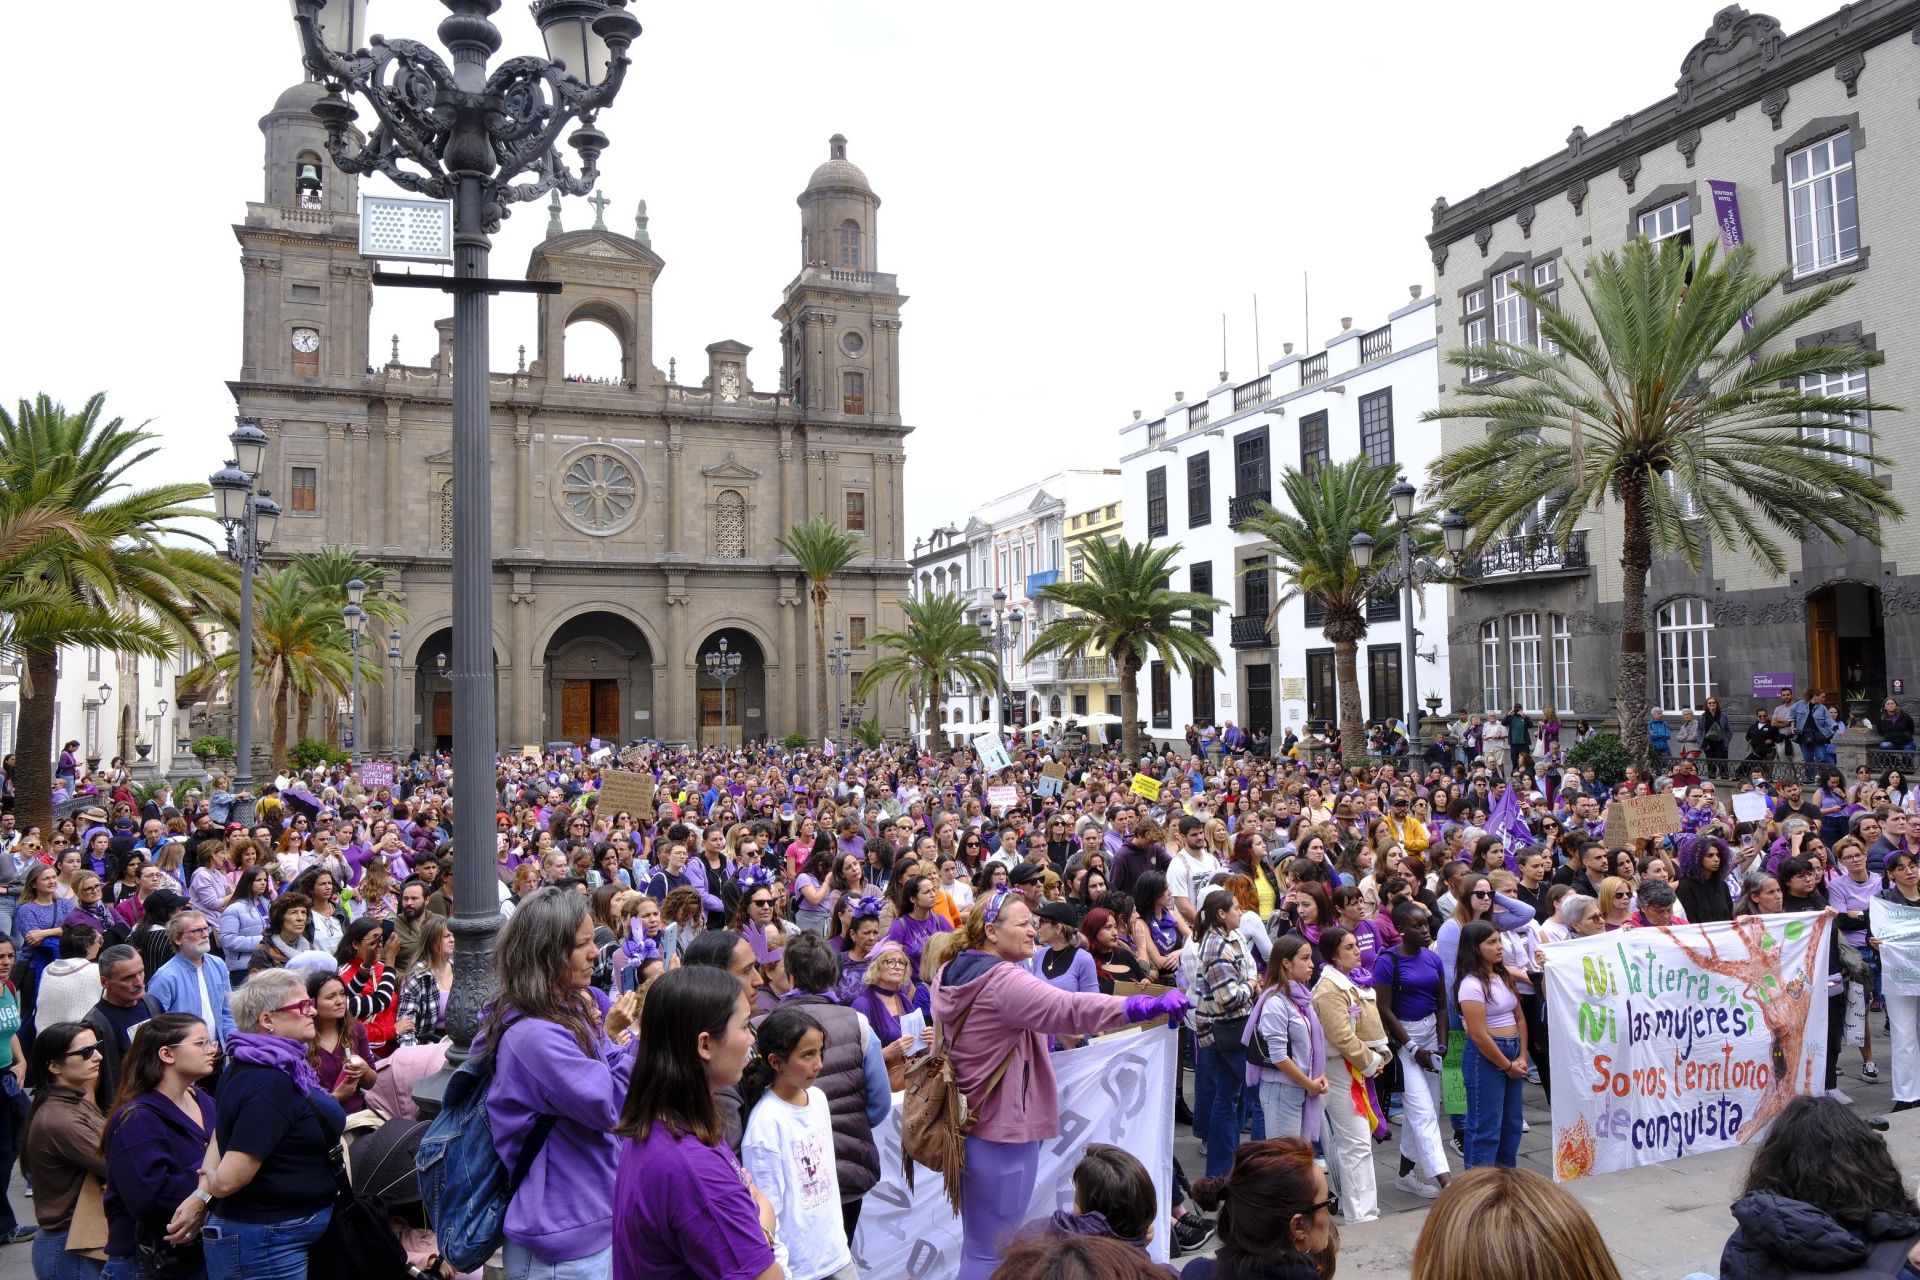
{"x": 676, "y": 727}
{"x": 359, "y": 468}
{"x": 893, "y": 366}
{"x": 789, "y": 659}
{"x": 338, "y": 486}
{"x": 521, "y": 599}
{"x": 783, "y": 482}
{"x": 676, "y": 492}
{"x": 391, "y": 516}
{"x": 522, "y": 484}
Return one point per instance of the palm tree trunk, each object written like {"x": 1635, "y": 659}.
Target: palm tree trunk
{"x": 933, "y": 712}
{"x": 1130, "y": 706}
{"x": 1346, "y": 668}
{"x": 33, "y": 743}
{"x": 304, "y": 719}
{"x": 819, "y": 593}
{"x": 283, "y": 698}
{"x": 1636, "y": 558}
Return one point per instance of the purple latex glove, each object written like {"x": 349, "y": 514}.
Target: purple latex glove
{"x": 1145, "y": 1008}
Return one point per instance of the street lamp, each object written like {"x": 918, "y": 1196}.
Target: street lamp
{"x": 995, "y": 630}
{"x": 1411, "y": 572}
{"x": 249, "y": 519}
{"x": 356, "y": 620}
{"x": 393, "y": 690}
{"x": 722, "y": 665}
{"x": 837, "y": 664}
{"x": 450, "y": 131}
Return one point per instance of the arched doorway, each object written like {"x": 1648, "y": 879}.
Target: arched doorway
{"x": 1846, "y": 643}
{"x": 599, "y": 681}
{"x": 733, "y": 710}
{"x": 432, "y": 692}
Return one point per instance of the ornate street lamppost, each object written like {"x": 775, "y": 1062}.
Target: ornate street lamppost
{"x": 356, "y": 619}
{"x": 393, "y": 691}
{"x": 995, "y": 630}
{"x": 837, "y": 664}
{"x": 722, "y": 665}
{"x": 1412, "y": 571}
{"x": 457, "y": 133}
{"x": 249, "y": 519}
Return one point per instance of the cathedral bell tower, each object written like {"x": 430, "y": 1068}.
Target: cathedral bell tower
{"x": 840, "y": 318}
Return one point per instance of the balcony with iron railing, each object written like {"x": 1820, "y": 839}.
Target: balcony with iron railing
{"x": 1242, "y": 507}
{"x": 1313, "y": 369}
{"x": 1250, "y": 631}
{"x": 1529, "y": 553}
{"x": 1376, "y": 344}
{"x": 1090, "y": 669}
{"x": 1259, "y": 391}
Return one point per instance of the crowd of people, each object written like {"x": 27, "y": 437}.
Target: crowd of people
{"x": 704, "y": 1010}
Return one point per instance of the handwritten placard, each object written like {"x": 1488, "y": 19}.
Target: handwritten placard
{"x": 375, "y": 774}
{"x": 1147, "y": 788}
{"x": 1003, "y": 797}
{"x": 1668, "y": 1042}
{"x": 1750, "y": 806}
{"x": 1654, "y": 815}
{"x": 630, "y": 791}
{"x": 992, "y": 752}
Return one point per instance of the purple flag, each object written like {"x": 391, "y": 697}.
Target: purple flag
{"x": 1504, "y": 820}
{"x": 1726, "y": 212}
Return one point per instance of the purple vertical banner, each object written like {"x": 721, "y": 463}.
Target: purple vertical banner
{"x": 1726, "y": 212}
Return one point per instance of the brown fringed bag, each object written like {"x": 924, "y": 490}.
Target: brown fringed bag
{"x": 935, "y": 1118}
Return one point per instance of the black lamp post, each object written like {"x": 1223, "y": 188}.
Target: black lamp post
{"x": 356, "y": 619}
{"x": 1412, "y": 571}
{"x": 249, "y": 519}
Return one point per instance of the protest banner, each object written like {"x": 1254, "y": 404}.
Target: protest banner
{"x": 1669, "y": 1042}
{"x": 1145, "y": 787}
{"x": 1046, "y": 785}
{"x": 1002, "y": 798}
{"x": 375, "y": 774}
{"x": 1615, "y": 835}
{"x": 1116, "y": 1088}
{"x": 1654, "y": 815}
{"x": 1897, "y": 926}
{"x": 992, "y": 752}
{"x": 531, "y": 751}
{"x": 1749, "y": 806}
{"x": 630, "y": 791}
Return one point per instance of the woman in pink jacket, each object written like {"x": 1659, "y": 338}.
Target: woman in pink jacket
{"x": 1003, "y": 1015}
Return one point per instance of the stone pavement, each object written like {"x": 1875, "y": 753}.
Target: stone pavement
{"x": 1661, "y": 1221}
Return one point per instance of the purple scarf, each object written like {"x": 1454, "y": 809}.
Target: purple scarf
{"x": 288, "y": 1057}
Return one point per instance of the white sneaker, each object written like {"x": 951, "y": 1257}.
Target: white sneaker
{"x": 1840, "y": 1097}
{"x": 1525, "y": 1127}
{"x": 1414, "y": 1184}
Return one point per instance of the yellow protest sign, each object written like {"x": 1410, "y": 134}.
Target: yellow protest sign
{"x": 1145, "y": 787}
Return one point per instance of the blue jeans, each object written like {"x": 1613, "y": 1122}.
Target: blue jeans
{"x": 1495, "y": 1106}
{"x": 130, "y": 1269}
{"x": 1202, "y": 1090}
{"x": 51, "y": 1261}
{"x": 1229, "y": 1070}
{"x": 521, "y": 1264}
{"x": 262, "y": 1250}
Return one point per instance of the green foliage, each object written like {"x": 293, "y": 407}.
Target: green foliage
{"x": 309, "y": 752}
{"x": 939, "y": 646}
{"x": 795, "y": 741}
{"x": 1606, "y": 753}
{"x": 822, "y": 549}
{"x": 869, "y": 734}
{"x": 212, "y": 746}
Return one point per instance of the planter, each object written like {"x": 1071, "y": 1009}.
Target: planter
{"x": 144, "y": 749}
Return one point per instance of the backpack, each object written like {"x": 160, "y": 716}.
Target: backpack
{"x": 935, "y": 1118}
{"x": 463, "y": 1184}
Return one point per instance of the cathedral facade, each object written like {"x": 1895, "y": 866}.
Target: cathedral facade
{"x": 635, "y": 519}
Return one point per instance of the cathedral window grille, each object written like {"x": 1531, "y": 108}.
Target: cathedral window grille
{"x": 443, "y": 514}
{"x": 853, "y": 393}
{"x": 599, "y": 492}
{"x": 850, "y": 245}
{"x": 730, "y": 525}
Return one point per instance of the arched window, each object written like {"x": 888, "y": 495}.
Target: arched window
{"x": 1053, "y": 706}
{"x": 443, "y": 512}
{"x": 1684, "y": 634}
{"x": 850, "y": 245}
{"x": 309, "y": 190}
{"x": 730, "y": 525}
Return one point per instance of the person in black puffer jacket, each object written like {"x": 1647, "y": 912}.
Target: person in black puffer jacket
{"x": 1823, "y": 1198}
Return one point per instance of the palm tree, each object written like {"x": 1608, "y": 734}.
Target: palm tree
{"x": 300, "y": 649}
{"x": 937, "y": 647}
{"x": 327, "y": 572}
{"x": 118, "y": 555}
{"x": 1124, "y": 609}
{"x": 33, "y": 612}
{"x": 1312, "y": 558}
{"x": 822, "y": 549}
{"x": 1674, "y": 410}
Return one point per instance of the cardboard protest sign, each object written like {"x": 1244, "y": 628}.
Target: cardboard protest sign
{"x": 375, "y": 774}
{"x": 992, "y": 752}
{"x": 1145, "y": 787}
{"x": 1002, "y": 797}
{"x": 1615, "y": 836}
{"x": 1048, "y": 785}
{"x": 1654, "y": 815}
{"x": 630, "y": 791}
{"x": 531, "y": 751}
{"x": 1667, "y": 1042}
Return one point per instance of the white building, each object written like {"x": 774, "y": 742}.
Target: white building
{"x": 1195, "y": 472}
{"x": 1015, "y": 545}
{"x": 114, "y": 704}
{"x": 939, "y": 568}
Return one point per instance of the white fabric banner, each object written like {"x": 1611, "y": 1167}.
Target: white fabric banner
{"x": 1116, "y": 1088}
{"x": 1664, "y": 1040}
{"x": 1897, "y": 926}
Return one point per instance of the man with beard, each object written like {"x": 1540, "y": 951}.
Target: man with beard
{"x": 413, "y": 909}
{"x": 187, "y": 983}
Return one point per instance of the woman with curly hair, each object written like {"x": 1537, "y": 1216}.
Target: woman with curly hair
{"x": 1702, "y": 889}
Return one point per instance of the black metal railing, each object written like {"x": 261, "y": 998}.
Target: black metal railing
{"x": 1313, "y": 369}
{"x": 1253, "y": 393}
{"x": 1250, "y": 631}
{"x": 1530, "y": 553}
{"x": 1243, "y": 506}
{"x": 1197, "y": 415}
{"x": 1384, "y": 608}
{"x": 1376, "y": 344}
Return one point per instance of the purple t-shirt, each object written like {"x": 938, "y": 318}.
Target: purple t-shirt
{"x": 682, "y": 1211}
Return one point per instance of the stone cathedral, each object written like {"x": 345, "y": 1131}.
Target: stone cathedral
{"x": 635, "y": 516}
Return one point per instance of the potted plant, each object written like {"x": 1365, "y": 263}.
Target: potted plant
{"x": 1859, "y": 706}
{"x": 145, "y": 749}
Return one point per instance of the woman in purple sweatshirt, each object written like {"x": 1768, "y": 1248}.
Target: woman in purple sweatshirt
{"x": 564, "y": 1052}
{"x": 156, "y": 1138}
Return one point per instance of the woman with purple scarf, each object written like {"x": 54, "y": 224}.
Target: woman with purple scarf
{"x": 1290, "y": 1038}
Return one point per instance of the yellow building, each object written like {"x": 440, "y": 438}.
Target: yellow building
{"x": 1092, "y": 685}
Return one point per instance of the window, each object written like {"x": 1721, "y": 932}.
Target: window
{"x": 1250, "y": 463}
{"x": 1157, "y": 503}
{"x": 1511, "y": 323}
{"x": 443, "y": 514}
{"x": 93, "y": 729}
{"x": 1202, "y": 694}
{"x": 1684, "y": 632}
{"x": 1562, "y": 661}
{"x": 1545, "y": 273}
{"x": 1684, "y": 503}
{"x": 1847, "y": 430}
{"x": 1323, "y": 699}
{"x": 1820, "y": 205}
{"x": 1384, "y": 608}
{"x": 93, "y": 662}
{"x": 159, "y": 669}
{"x": 853, "y": 393}
{"x": 1313, "y": 443}
{"x": 1386, "y": 688}
{"x": 1376, "y": 427}
{"x": 1669, "y": 221}
{"x": 1490, "y": 665}
{"x": 1199, "y": 491}
{"x": 1255, "y": 591}
{"x": 306, "y": 489}
{"x": 850, "y": 245}
{"x": 1523, "y": 659}
{"x": 856, "y": 633}
{"x": 856, "y": 520}
{"x": 1079, "y": 704}
{"x": 730, "y": 525}
{"x": 1160, "y": 695}
{"x": 1200, "y": 582}
{"x": 1476, "y": 337}
{"x": 1079, "y": 570}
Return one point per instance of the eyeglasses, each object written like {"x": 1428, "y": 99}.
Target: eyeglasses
{"x": 1331, "y": 1204}
{"x": 1482, "y": 893}
{"x": 1621, "y": 897}
{"x": 84, "y": 1051}
{"x": 760, "y": 902}
{"x": 202, "y": 932}
{"x": 302, "y": 1007}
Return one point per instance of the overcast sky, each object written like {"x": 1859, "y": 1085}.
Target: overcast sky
{"x": 1073, "y": 193}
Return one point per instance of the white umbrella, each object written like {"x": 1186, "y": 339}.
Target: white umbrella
{"x": 1098, "y": 718}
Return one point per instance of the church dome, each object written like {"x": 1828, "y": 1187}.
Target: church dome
{"x": 301, "y": 97}
{"x": 838, "y": 171}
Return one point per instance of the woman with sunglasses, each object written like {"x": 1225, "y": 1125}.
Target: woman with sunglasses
{"x": 1275, "y": 1215}
{"x": 156, "y": 1143}
{"x": 61, "y": 1141}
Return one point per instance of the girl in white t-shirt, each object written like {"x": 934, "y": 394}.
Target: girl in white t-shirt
{"x": 787, "y": 1146}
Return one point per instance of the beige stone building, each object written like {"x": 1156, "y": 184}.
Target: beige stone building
{"x": 1808, "y": 138}
{"x": 635, "y": 516}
